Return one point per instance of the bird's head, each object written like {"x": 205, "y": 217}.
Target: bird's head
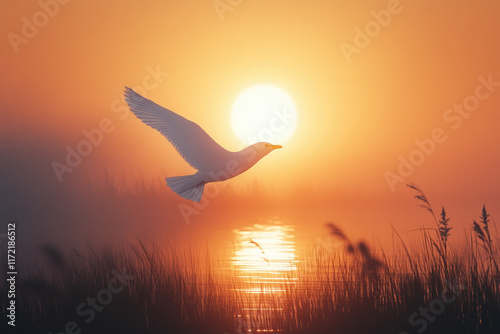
{"x": 266, "y": 148}
{"x": 255, "y": 152}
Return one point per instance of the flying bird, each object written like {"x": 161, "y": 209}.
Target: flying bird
{"x": 212, "y": 162}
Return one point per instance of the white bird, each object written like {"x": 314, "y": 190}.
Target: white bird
{"x": 213, "y": 162}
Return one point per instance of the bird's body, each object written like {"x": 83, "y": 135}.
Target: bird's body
{"x": 213, "y": 162}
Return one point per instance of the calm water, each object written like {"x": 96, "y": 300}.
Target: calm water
{"x": 264, "y": 260}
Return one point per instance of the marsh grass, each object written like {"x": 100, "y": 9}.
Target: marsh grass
{"x": 354, "y": 288}
{"x": 174, "y": 293}
{"x": 168, "y": 294}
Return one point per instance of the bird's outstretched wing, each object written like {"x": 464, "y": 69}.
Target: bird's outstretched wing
{"x": 188, "y": 138}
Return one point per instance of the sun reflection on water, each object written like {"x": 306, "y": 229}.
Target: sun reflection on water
{"x": 264, "y": 262}
{"x": 263, "y": 256}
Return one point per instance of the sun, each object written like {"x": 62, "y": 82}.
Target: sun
{"x": 264, "y": 113}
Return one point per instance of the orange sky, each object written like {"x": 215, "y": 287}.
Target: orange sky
{"x": 356, "y": 116}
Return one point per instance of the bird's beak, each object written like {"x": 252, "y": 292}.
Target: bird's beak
{"x": 275, "y": 147}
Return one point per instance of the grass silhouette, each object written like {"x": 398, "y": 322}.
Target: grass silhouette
{"x": 351, "y": 289}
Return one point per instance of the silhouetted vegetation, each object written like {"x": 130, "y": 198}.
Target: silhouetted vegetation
{"x": 426, "y": 286}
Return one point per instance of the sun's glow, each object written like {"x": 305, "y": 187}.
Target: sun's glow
{"x": 264, "y": 113}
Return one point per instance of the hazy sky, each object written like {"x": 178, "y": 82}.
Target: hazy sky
{"x": 370, "y": 79}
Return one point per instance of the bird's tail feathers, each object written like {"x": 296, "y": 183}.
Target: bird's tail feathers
{"x": 186, "y": 186}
